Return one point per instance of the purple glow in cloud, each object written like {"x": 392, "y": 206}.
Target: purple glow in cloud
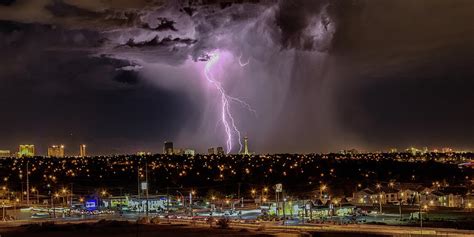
{"x": 227, "y": 119}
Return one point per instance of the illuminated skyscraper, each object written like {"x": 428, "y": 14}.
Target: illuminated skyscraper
{"x": 26, "y": 151}
{"x": 189, "y": 152}
{"x": 82, "y": 150}
{"x": 210, "y": 151}
{"x": 168, "y": 149}
{"x": 56, "y": 151}
{"x": 220, "y": 151}
{"x": 5, "y": 153}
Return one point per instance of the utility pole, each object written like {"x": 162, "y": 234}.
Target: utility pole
{"x": 191, "y": 203}
{"x": 27, "y": 185}
{"x": 52, "y": 205}
{"x": 400, "y": 208}
{"x": 238, "y": 191}
{"x": 238, "y": 196}
{"x": 420, "y": 215}
{"x": 168, "y": 200}
{"x": 138, "y": 181}
{"x": 277, "y": 204}
{"x": 71, "y": 195}
{"x": 147, "y": 186}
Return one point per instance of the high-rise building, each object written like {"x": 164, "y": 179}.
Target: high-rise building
{"x": 393, "y": 150}
{"x": 190, "y": 152}
{"x": 220, "y": 151}
{"x": 425, "y": 150}
{"x": 178, "y": 151}
{"x": 56, "y": 151}
{"x": 246, "y": 146}
{"x": 5, "y": 153}
{"x": 26, "y": 151}
{"x": 413, "y": 150}
{"x": 210, "y": 151}
{"x": 168, "y": 149}
{"x": 143, "y": 153}
{"x": 446, "y": 150}
{"x": 82, "y": 150}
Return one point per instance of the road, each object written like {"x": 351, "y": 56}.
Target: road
{"x": 275, "y": 227}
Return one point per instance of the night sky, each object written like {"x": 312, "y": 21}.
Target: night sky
{"x": 125, "y": 76}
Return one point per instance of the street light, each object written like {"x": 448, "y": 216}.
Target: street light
{"x": 64, "y": 193}
{"x": 321, "y": 190}
{"x": 380, "y": 196}
{"x": 191, "y": 201}
{"x": 17, "y": 200}
{"x": 253, "y": 192}
{"x": 34, "y": 190}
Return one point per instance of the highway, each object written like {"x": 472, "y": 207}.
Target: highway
{"x": 273, "y": 227}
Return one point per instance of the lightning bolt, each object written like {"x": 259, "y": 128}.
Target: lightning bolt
{"x": 227, "y": 119}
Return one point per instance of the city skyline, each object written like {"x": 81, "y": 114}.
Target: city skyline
{"x": 60, "y": 151}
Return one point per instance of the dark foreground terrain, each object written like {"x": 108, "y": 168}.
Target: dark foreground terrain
{"x": 120, "y": 229}
{"x": 128, "y": 229}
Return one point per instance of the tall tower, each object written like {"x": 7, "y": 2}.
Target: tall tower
{"x": 168, "y": 149}
{"x": 82, "y": 150}
{"x": 246, "y": 146}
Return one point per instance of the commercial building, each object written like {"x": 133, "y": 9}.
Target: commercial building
{"x": 190, "y": 152}
{"x": 82, "y": 150}
{"x": 26, "y": 151}
{"x": 178, "y": 151}
{"x": 168, "y": 149}
{"x": 5, "y": 153}
{"x": 220, "y": 151}
{"x": 56, "y": 151}
{"x": 210, "y": 151}
{"x": 143, "y": 153}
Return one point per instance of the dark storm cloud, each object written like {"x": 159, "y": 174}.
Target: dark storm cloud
{"x": 128, "y": 77}
{"x": 405, "y": 81}
{"x": 6, "y": 2}
{"x": 164, "y": 24}
{"x": 323, "y": 75}
{"x": 301, "y": 23}
{"x": 57, "y": 92}
{"x": 61, "y": 9}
